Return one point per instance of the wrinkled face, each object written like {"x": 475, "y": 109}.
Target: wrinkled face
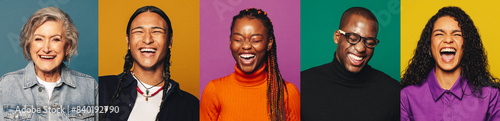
{"x": 48, "y": 47}
{"x": 148, "y": 40}
{"x": 249, "y": 43}
{"x": 355, "y": 57}
{"x": 446, "y": 43}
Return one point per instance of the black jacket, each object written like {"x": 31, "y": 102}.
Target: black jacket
{"x": 178, "y": 105}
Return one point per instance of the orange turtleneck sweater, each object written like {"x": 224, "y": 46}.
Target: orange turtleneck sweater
{"x": 243, "y": 97}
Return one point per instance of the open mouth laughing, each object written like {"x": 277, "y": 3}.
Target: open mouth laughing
{"x": 247, "y": 58}
{"x": 447, "y": 54}
{"x": 356, "y": 60}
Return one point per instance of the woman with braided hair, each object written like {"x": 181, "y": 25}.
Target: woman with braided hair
{"x": 448, "y": 77}
{"x": 147, "y": 92}
{"x": 256, "y": 90}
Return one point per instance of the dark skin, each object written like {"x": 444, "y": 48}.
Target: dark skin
{"x": 355, "y": 57}
{"x": 249, "y": 43}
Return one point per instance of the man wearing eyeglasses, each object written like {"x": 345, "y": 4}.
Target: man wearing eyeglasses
{"x": 348, "y": 89}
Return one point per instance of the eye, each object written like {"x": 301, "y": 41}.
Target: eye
{"x": 438, "y": 34}
{"x": 256, "y": 40}
{"x": 38, "y": 39}
{"x": 457, "y": 34}
{"x": 371, "y": 42}
{"x": 57, "y": 39}
{"x": 238, "y": 40}
{"x": 137, "y": 32}
{"x": 158, "y": 31}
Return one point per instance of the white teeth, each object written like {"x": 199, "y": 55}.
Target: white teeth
{"x": 247, "y": 56}
{"x": 448, "y": 50}
{"x": 148, "y": 50}
{"x": 47, "y": 57}
{"x": 355, "y": 57}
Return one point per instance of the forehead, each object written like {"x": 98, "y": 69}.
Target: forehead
{"x": 360, "y": 25}
{"x": 50, "y": 26}
{"x": 446, "y": 22}
{"x": 148, "y": 19}
{"x": 246, "y": 23}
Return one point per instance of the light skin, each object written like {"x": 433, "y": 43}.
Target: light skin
{"x": 249, "y": 43}
{"x": 355, "y": 57}
{"x": 48, "y": 49}
{"x": 148, "y": 45}
{"x": 446, "y": 47}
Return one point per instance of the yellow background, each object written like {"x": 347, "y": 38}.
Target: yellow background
{"x": 184, "y": 15}
{"x": 484, "y": 13}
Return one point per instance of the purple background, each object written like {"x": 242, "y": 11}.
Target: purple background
{"x": 216, "y": 16}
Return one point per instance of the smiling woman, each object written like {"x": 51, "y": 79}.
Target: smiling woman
{"x": 449, "y": 63}
{"x": 48, "y": 38}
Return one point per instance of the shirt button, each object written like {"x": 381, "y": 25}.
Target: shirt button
{"x": 40, "y": 89}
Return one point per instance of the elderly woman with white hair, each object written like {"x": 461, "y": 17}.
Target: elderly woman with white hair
{"x": 46, "y": 89}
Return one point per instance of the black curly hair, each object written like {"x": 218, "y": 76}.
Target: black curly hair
{"x": 276, "y": 88}
{"x": 474, "y": 62}
{"x": 129, "y": 60}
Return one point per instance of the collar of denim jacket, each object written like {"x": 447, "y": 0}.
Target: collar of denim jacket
{"x": 30, "y": 76}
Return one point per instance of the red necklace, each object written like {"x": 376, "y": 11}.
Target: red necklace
{"x": 147, "y": 92}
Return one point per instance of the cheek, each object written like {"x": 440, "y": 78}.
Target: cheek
{"x": 233, "y": 46}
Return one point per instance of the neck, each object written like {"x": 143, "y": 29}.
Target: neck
{"x": 447, "y": 79}
{"x": 51, "y": 76}
{"x": 150, "y": 76}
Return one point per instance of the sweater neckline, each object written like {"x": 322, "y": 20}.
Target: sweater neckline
{"x": 256, "y": 78}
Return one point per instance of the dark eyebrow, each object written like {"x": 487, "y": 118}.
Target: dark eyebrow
{"x": 440, "y": 30}
{"x": 139, "y": 27}
{"x": 156, "y": 27}
{"x": 238, "y": 34}
{"x": 257, "y": 35}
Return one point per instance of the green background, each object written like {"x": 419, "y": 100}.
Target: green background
{"x": 320, "y": 19}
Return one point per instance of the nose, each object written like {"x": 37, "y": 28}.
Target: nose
{"x": 246, "y": 45}
{"x": 46, "y": 47}
{"x": 360, "y": 46}
{"x": 448, "y": 39}
{"x": 148, "y": 38}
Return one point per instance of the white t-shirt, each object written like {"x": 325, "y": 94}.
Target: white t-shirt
{"x": 146, "y": 110}
{"x": 49, "y": 86}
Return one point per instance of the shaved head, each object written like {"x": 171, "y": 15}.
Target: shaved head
{"x": 365, "y": 13}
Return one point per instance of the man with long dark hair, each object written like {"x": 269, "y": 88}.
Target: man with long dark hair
{"x": 147, "y": 92}
{"x": 348, "y": 89}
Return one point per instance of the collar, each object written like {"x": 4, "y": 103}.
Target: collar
{"x": 340, "y": 71}
{"x": 131, "y": 82}
{"x": 30, "y": 76}
{"x": 436, "y": 91}
{"x": 256, "y": 78}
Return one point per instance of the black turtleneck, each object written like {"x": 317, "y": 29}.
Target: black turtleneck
{"x": 331, "y": 93}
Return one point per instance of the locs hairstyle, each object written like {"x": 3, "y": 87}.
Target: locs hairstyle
{"x": 275, "y": 83}
{"x": 474, "y": 62}
{"x": 129, "y": 60}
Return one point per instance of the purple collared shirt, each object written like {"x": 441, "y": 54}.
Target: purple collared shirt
{"x": 429, "y": 102}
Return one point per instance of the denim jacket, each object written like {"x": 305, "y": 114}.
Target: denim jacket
{"x": 23, "y": 98}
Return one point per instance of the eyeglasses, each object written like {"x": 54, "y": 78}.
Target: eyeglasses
{"x": 353, "y": 38}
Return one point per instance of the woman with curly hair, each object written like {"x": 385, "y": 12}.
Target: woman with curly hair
{"x": 256, "y": 90}
{"x": 448, "y": 77}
